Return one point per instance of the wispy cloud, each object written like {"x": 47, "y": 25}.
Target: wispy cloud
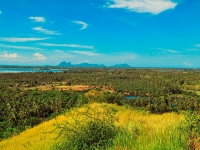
{"x": 122, "y": 57}
{"x": 143, "y": 6}
{"x": 167, "y": 50}
{"x": 84, "y": 25}
{"x": 172, "y": 51}
{"x": 39, "y": 56}
{"x": 20, "y": 47}
{"x": 10, "y": 56}
{"x": 17, "y": 39}
{"x": 46, "y": 31}
{"x": 67, "y": 45}
{"x": 38, "y": 19}
{"x": 192, "y": 49}
{"x": 187, "y": 64}
{"x": 197, "y": 45}
{"x": 88, "y": 53}
{"x": 77, "y": 56}
{"x": 0, "y": 12}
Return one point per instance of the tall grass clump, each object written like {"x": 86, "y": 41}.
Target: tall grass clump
{"x": 91, "y": 127}
{"x": 143, "y": 131}
{"x": 191, "y": 124}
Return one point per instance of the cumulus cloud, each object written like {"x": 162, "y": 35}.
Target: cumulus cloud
{"x": 143, "y": 6}
{"x": 84, "y": 25}
{"x": 46, "y": 31}
{"x": 10, "y": 56}
{"x": 16, "y": 39}
{"x": 38, "y": 19}
{"x": 39, "y": 56}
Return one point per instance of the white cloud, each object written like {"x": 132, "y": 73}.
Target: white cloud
{"x": 38, "y": 19}
{"x": 143, "y": 6}
{"x": 58, "y": 51}
{"x": 16, "y": 39}
{"x": 121, "y": 57}
{"x": 192, "y": 49}
{"x": 0, "y": 12}
{"x": 167, "y": 50}
{"x": 172, "y": 51}
{"x": 39, "y": 56}
{"x": 187, "y": 64}
{"x": 197, "y": 45}
{"x": 46, "y": 31}
{"x": 20, "y": 47}
{"x": 84, "y": 25}
{"x": 10, "y": 56}
{"x": 67, "y": 45}
{"x": 88, "y": 53}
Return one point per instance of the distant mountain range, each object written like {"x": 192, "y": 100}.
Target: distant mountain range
{"x": 85, "y": 65}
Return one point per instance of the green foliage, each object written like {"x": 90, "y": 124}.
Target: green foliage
{"x": 22, "y": 110}
{"x": 92, "y": 128}
{"x": 113, "y": 98}
{"x": 192, "y": 124}
{"x": 162, "y": 104}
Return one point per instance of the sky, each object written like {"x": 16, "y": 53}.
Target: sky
{"x": 141, "y": 33}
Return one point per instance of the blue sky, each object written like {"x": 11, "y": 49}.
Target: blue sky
{"x": 141, "y": 33}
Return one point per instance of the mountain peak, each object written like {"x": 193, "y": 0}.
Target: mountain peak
{"x": 64, "y": 64}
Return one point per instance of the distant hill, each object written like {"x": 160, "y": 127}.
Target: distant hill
{"x": 121, "y": 66}
{"x": 64, "y": 64}
{"x": 89, "y": 65}
{"x": 85, "y": 65}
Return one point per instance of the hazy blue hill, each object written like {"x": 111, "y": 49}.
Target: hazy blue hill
{"x": 64, "y": 64}
{"x": 87, "y": 65}
{"x": 121, "y": 66}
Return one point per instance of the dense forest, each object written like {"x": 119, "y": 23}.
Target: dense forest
{"x": 24, "y": 104}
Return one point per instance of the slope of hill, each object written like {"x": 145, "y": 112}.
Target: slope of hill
{"x": 147, "y": 131}
{"x": 64, "y": 64}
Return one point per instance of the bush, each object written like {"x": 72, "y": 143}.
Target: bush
{"x": 192, "y": 124}
{"x": 92, "y": 128}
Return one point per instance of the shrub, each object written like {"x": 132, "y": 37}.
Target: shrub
{"x": 192, "y": 124}
{"x": 92, "y": 128}
{"x": 94, "y": 95}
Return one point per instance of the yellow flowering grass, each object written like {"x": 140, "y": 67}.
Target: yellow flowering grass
{"x": 150, "y": 131}
{"x": 144, "y": 131}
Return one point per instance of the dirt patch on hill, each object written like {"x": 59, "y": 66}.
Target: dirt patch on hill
{"x": 75, "y": 87}
{"x": 66, "y": 87}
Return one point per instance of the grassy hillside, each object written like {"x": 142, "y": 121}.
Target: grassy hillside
{"x": 141, "y": 130}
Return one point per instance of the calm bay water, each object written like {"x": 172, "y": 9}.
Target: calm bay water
{"x": 128, "y": 97}
{"x": 18, "y": 70}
